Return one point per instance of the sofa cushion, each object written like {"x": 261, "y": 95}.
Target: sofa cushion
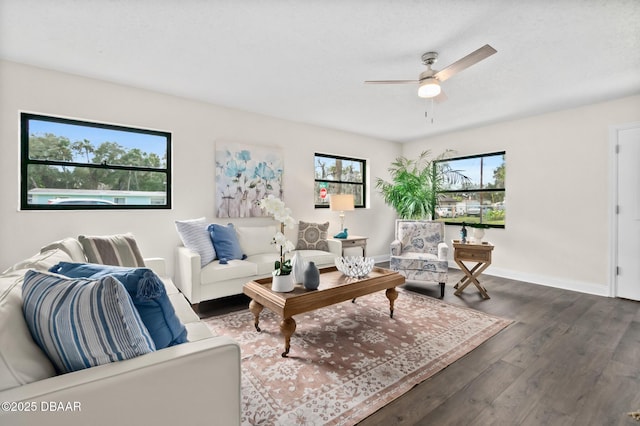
{"x": 81, "y": 323}
{"x": 312, "y": 236}
{"x": 147, "y": 292}
{"x": 265, "y": 262}
{"x": 42, "y": 261}
{"x": 217, "y": 272}
{"x": 195, "y": 237}
{"x": 319, "y": 257}
{"x": 21, "y": 360}
{"x": 226, "y": 243}
{"x": 256, "y": 239}
{"x": 69, "y": 245}
{"x": 118, "y": 250}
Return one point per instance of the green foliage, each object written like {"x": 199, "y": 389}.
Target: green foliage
{"x": 495, "y": 215}
{"x": 414, "y": 186}
{"x": 285, "y": 269}
{"x": 59, "y": 148}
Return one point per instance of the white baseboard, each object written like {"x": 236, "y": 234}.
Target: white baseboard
{"x": 549, "y": 281}
{"x": 555, "y": 282}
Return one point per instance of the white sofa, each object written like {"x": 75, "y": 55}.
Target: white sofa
{"x": 196, "y": 381}
{"x": 216, "y": 280}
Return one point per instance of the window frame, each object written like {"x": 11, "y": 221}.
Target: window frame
{"x": 25, "y": 162}
{"x": 481, "y": 190}
{"x": 363, "y": 184}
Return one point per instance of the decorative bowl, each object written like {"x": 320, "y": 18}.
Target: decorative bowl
{"x": 355, "y": 266}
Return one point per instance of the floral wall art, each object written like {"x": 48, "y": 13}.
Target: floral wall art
{"x": 245, "y": 174}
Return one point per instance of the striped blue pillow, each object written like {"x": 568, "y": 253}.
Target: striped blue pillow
{"x": 81, "y": 323}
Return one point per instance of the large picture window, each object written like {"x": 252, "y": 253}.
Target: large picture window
{"x": 481, "y": 198}
{"x": 339, "y": 175}
{"x": 73, "y": 164}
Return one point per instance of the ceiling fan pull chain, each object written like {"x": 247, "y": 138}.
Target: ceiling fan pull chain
{"x": 427, "y": 115}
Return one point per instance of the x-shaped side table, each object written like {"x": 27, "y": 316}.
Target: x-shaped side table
{"x": 479, "y": 253}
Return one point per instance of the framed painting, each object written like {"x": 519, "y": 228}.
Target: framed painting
{"x": 244, "y": 175}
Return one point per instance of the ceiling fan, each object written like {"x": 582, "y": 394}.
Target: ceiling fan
{"x": 430, "y": 79}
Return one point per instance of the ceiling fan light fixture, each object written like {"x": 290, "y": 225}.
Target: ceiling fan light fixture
{"x": 429, "y": 88}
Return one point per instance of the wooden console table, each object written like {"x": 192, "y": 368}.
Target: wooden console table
{"x": 472, "y": 252}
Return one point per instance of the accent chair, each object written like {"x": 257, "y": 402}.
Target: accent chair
{"x": 419, "y": 252}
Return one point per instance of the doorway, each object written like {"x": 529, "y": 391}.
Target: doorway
{"x": 625, "y": 249}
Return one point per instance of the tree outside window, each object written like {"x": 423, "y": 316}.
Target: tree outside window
{"x": 73, "y": 164}
{"x": 481, "y": 198}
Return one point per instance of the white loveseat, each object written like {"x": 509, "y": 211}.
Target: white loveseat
{"x": 197, "y": 381}
{"x": 214, "y": 280}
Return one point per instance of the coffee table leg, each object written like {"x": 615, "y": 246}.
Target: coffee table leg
{"x": 392, "y": 295}
{"x": 287, "y": 327}
{"x": 255, "y": 309}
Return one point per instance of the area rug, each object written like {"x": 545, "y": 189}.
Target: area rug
{"x": 350, "y": 359}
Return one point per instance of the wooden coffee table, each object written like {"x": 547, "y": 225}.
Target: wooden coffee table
{"x": 334, "y": 288}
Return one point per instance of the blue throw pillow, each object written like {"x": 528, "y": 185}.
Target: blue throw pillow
{"x": 225, "y": 241}
{"x": 147, "y": 292}
{"x": 81, "y": 323}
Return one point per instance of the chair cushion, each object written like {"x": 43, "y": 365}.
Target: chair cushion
{"x": 225, "y": 241}
{"x": 195, "y": 237}
{"x": 118, "y": 250}
{"x": 419, "y": 236}
{"x": 81, "y": 323}
{"x": 312, "y": 236}
{"x": 147, "y": 292}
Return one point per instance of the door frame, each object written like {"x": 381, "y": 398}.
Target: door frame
{"x": 614, "y": 131}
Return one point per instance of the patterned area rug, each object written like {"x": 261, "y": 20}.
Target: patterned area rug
{"x": 348, "y": 360}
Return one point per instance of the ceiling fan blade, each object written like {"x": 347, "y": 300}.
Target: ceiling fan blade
{"x": 391, "y": 82}
{"x": 441, "y": 97}
{"x": 464, "y": 63}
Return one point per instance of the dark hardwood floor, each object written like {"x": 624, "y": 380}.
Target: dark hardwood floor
{"x": 568, "y": 359}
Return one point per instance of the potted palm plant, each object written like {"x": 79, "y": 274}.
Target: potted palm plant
{"x": 415, "y": 184}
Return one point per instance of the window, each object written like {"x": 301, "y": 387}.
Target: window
{"x": 481, "y": 198}
{"x": 72, "y": 164}
{"x": 339, "y": 175}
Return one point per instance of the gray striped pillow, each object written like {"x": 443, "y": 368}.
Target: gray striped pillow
{"x": 81, "y": 323}
{"x": 116, "y": 250}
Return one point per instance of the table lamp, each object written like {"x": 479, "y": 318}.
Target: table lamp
{"x": 341, "y": 203}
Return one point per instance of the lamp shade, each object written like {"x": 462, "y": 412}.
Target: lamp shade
{"x": 341, "y": 202}
{"x": 429, "y": 88}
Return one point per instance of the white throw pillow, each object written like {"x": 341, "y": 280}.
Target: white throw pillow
{"x": 256, "y": 239}
{"x": 195, "y": 237}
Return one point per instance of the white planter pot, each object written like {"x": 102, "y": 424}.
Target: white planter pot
{"x": 282, "y": 283}
{"x": 478, "y": 234}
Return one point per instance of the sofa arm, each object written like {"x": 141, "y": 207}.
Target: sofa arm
{"x": 443, "y": 251}
{"x": 187, "y": 274}
{"x": 157, "y": 265}
{"x": 396, "y": 248}
{"x": 193, "y": 380}
{"x": 335, "y": 247}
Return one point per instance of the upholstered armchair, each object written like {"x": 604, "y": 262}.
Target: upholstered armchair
{"x": 419, "y": 251}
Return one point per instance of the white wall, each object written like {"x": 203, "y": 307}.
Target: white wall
{"x": 557, "y": 182}
{"x": 195, "y": 127}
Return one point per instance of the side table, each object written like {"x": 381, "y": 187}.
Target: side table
{"x": 354, "y": 241}
{"x": 472, "y": 252}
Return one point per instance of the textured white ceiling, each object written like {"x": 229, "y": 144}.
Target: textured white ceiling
{"x": 306, "y": 60}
